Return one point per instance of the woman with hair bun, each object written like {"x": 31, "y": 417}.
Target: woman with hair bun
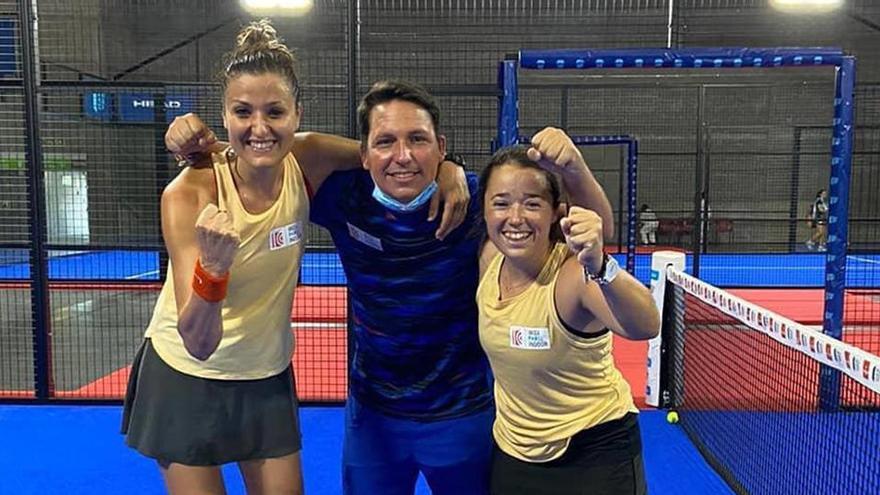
{"x": 212, "y": 383}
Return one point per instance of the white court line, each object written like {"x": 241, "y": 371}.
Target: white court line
{"x": 317, "y": 325}
{"x": 64, "y": 312}
{"x": 139, "y": 275}
{"x": 865, "y": 260}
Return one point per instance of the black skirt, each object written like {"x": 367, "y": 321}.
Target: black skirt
{"x": 178, "y": 418}
{"x": 603, "y": 460}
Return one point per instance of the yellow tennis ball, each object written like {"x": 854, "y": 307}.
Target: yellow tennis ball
{"x": 672, "y": 417}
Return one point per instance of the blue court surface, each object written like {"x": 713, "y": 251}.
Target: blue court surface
{"x": 726, "y": 270}
{"x": 78, "y": 450}
{"x": 770, "y": 270}
{"x": 819, "y": 452}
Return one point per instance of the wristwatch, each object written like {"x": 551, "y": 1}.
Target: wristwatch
{"x": 607, "y": 273}
{"x": 456, "y": 159}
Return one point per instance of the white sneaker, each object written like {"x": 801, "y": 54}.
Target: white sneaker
{"x": 810, "y": 245}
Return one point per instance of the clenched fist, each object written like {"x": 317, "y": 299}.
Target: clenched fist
{"x": 189, "y": 137}
{"x": 583, "y": 234}
{"x": 554, "y": 151}
{"x": 217, "y": 239}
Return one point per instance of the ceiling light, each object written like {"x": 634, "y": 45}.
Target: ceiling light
{"x": 277, "y": 8}
{"x": 806, "y": 6}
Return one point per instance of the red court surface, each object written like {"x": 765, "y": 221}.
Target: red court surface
{"x": 319, "y": 316}
{"x": 319, "y": 303}
{"x": 806, "y": 305}
{"x": 319, "y": 364}
{"x": 732, "y": 369}
{"x": 631, "y": 359}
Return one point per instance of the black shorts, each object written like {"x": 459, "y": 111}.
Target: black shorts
{"x": 174, "y": 417}
{"x": 603, "y": 460}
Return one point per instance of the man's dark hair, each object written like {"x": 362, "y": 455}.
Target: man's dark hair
{"x": 385, "y": 91}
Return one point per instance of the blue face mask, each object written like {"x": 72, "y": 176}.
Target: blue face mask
{"x": 413, "y": 205}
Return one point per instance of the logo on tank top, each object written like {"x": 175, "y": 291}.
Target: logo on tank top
{"x": 283, "y": 237}
{"x": 529, "y": 338}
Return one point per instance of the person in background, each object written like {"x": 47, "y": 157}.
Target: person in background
{"x": 648, "y": 225}
{"x": 818, "y": 221}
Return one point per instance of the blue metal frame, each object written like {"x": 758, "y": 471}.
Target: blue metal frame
{"x": 732, "y": 58}
{"x": 838, "y": 222}
{"x": 632, "y": 152}
{"x": 697, "y": 58}
{"x": 508, "y": 108}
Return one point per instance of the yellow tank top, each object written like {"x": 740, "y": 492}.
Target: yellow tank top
{"x": 257, "y": 341}
{"x": 549, "y": 383}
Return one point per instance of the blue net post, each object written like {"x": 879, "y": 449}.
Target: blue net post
{"x": 632, "y": 152}
{"x": 632, "y": 167}
{"x": 838, "y": 216}
{"x": 508, "y": 113}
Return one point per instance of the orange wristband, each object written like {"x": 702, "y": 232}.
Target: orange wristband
{"x": 208, "y": 287}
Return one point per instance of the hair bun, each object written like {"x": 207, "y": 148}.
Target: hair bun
{"x": 259, "y": 50}
{"x": 257, "y": 35}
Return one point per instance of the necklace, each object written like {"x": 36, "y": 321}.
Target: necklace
{"x": 509, "y": 289}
